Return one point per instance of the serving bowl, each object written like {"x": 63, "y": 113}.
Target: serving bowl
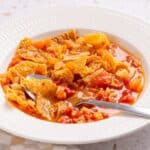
{"x": 129, "y": 33}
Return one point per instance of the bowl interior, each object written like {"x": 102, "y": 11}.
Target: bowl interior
{"x": 120, "y": 41}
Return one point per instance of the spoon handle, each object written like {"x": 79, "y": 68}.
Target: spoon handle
{"x": 138, "y": 111}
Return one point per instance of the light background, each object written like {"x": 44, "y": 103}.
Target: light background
{"x": 136, "y": 141}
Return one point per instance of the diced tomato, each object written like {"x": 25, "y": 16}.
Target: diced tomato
{"x": 103, "y": 79}
{"x": 127, "y": 97}
{"x": 134, "y": 61}
{"x": 65, "y": 119}
{"x": 69, "y": 92}
{"x": 116, "y": 83}
{"x": 64, "y": 92}
{"x": 126, "y": 81}
{"x": 52, "y": 53}
{"x": 102, "y": 95}
{"x": 79, "y": 114}
{"x": 68, "y": 111}
{"x": 106, "y": 95}
{"x": 88, "y": 116}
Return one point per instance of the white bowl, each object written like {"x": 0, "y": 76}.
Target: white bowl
{"x": 128, "y": 32}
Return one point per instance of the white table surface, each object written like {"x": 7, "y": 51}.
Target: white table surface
{"x": 135, "y": 141}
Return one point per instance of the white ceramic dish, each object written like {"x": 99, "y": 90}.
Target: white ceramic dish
{"x": 35, "y": 22}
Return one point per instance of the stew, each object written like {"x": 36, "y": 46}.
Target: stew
{"x": 79, "y": 68}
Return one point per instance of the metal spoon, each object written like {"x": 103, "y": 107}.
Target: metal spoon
{"x": 34, "y": 76}
{"x": 37, "y": 76}
{"x": 137, "y": 111}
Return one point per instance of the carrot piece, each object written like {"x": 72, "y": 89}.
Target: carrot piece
{"x": 15, "y": 61}
{"x": 137, "y": 84}
{"x": 42, "y": 44}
